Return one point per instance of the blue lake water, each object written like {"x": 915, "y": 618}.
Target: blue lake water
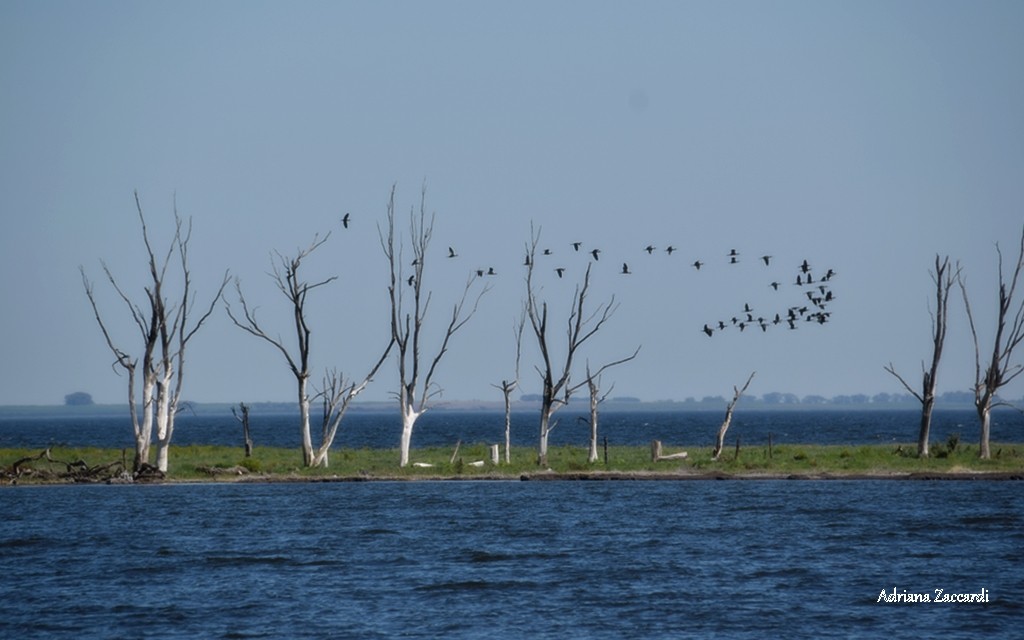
{"x": 573, "y": 559}
{"x": 444, "y": 428}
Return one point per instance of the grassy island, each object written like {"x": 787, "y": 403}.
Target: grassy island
{"x": 220, "y": 464}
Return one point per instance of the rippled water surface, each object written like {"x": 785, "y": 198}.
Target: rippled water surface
{"x": 731, "y": 559}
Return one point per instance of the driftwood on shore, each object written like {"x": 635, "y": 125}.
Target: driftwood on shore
{"x": 657, "y": 455}
{"x": 44, "y": 467}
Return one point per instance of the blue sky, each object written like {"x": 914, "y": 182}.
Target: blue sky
{"x": 860, "y": 136}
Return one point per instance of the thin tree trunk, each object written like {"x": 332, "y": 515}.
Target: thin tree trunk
{"x": 508, "y": 426}
{"x": 409, "y": 417}
{"x": 307, "y": 440}
{"x": 985, "y": 418}
{"x": 545, "y": 429}
{"x": 926, "y": 425}
{"x": 720, "y": 440}
{"x": 592, "y": 457}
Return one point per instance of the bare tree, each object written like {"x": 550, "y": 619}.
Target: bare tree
{"x": 242, "y": 415}
{"x": 508, "y": 386}
{"x": 165, "y": 332}
{"x": 337, "y": 391}
{"x": 416, "y": 391}
{"x": 720, "y": 440}
{"x": 999, "y": 369}
{"x": 593, "y": 384}
{"x": 580, "y": 327}
{"x": 943, "y": 278}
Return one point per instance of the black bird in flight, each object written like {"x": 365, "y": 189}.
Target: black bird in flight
{"x": 560, "y": 271}
{"x": 625, "y": 269}
{"x": 576, "y": 246}
{"x": 766, "y": 259}
{"x": 669, "y": 249}
{"x": 547, "y": 252}
{"x": 479, "y": 273}
{"x": 708, "y": 330}
{"x": 774, "y": 285}
{"x": 451, "y": 253}
{"x": 698, "y": 264}
{"x": 526, "y": 262}
{"x": 411, "y": 280}
{"x": 649, "y": 249}
{"x": 345, "y": 220}
{"x": 804, "y": 267}
{"x": 491, "y": 272}
{"x": 595, "y": 253}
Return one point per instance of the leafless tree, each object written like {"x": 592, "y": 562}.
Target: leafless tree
{"x": 337, "y": 391}
{"x": 508, "y": 386}
{"x": 580, "y": 327}
{"x": 999, "y": 369}
{"x": 720, "y": 439}
{"x": 943, "y": 277}
{"x": 593, "y": 383}
{"x": 242, "y": 415}
{"x": 416, "y": 391}
{"x": 165, "y": 331}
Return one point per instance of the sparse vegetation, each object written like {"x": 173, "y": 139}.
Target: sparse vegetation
{"x": 219, "y": 463}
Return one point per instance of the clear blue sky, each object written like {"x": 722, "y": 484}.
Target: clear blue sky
{"x": 860, "y": 136}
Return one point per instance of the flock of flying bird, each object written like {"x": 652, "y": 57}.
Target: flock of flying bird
{"x": 815, "y": 287}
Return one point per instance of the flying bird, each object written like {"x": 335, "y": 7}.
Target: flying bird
{"x": 669, "y": 249}
{"x": 345, "y": 220}
{"x": 804, "y": 267}
{"x": 625, "y": 269}
{"x": 698, "y": 264}
{"x": 595, "y": 253}
{"x": 411, "y": 280}
{"x": 649, "y": 249}
{"x": 708, "y": 330}
{"x": 766, "y": 259}
{"x": 451, "y": 253}
{"x": 774, "y": 285}
{"x": 491, "y": 272}
{"x": 576, "y": 246}
{"x": 547, "y": 252}
{"x": 560, "y": 271}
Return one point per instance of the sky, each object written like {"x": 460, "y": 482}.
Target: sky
{"x": 862, "y": 137}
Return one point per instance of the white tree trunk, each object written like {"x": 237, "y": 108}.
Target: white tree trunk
{"x": 409, "y": 417}
{"x": 144, "y": 433}
{"x": 985, "y": 417}
{"x": 508, "y": 428}
{"x": 592, "y": 457}
{"x": 164, "y": 425}
{"x": 307, "y": 440}
{"x": 545, "y": 429}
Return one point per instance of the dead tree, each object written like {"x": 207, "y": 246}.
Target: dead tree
{"x": 285, "y": 272}
{"x": 242, "y": 415}
{"x": 580, "y": 327}
{"x": 336, "y": 395}
{"x": 593, "y": 383}
{"x": 720, "y": 440}
{"x": 165, "y": 332}
{"x": 999, "y": 369}
{"x": 943, "y": 278}
{"x": 416, "y": 387}
{"x": 508, "y": 386}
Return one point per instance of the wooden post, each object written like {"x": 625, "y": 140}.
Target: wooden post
{"x": 769, "y": 445}
{"x": 606, "y": 451}
{"x": 655, "y": 450}
{"x": 737, "y": 457}
{"x": 494, "y": 454}
{"x": 456, "y": 452}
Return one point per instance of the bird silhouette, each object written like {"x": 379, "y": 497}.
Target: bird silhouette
{"x": 774, "y": 285}
{"x": 411, "y": 280}
{"x": 708, "y": 330}
{"x": 451, "y": 253}
{"x": 649, "y": 249}
{"x": 560, "y": 271}
{"x": 491, "y": 272}
{"x": 479, "y": 273}
{"x": 698, "y": 264}
{"x": 625, "y": 269}
{"x": 595, "y": 253}
{"x": 526, "y": 262}
{"x": 576, "y": 246}
{"x": 547, "y": 252}
{"x": 766, "y": 259}
{"x": 805, "y": 267}
{"x": 345, "y": 219}
{"x": 669, "y": 249}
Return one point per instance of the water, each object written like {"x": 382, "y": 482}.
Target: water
{"x": 439, "y": 428}
{"x": 704, "y": 558}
